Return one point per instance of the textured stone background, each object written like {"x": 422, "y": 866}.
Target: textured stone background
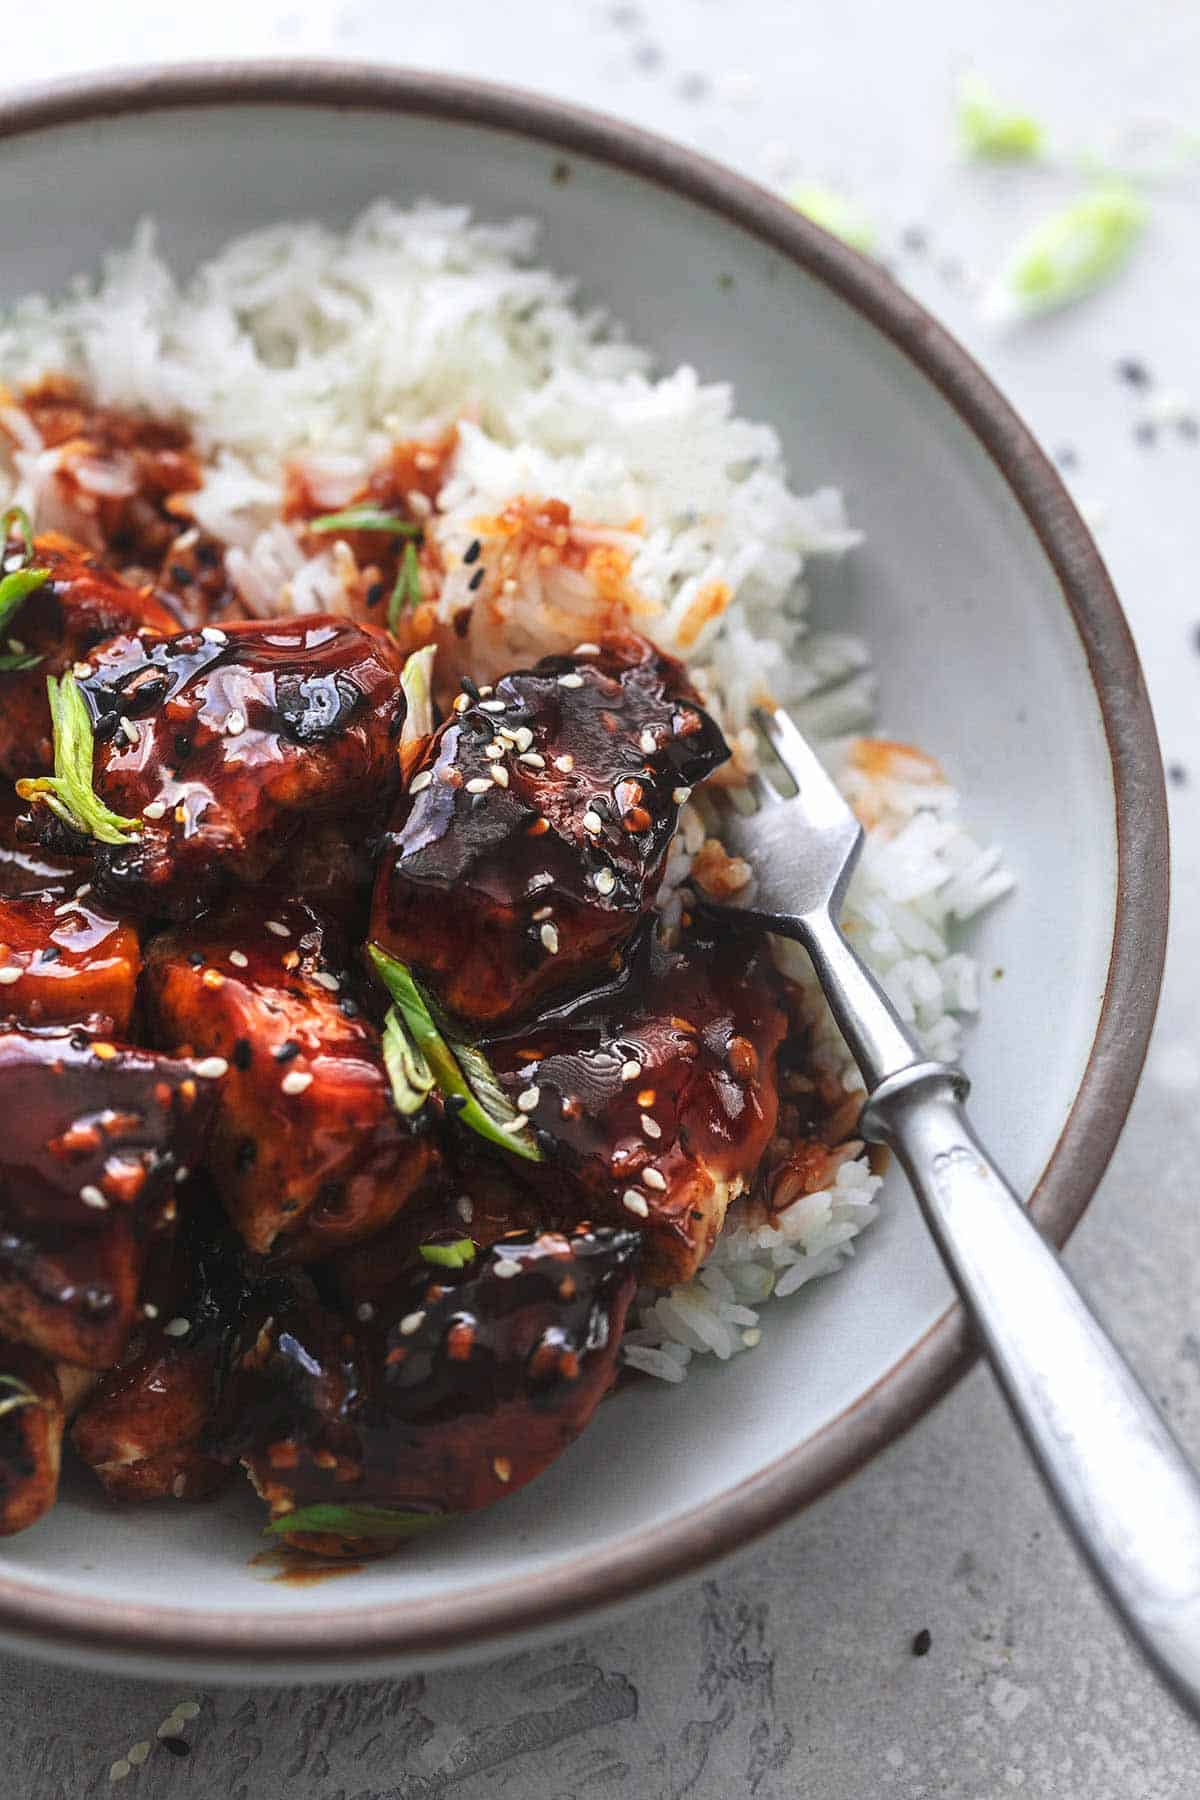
{"x": 790, "y": 1673}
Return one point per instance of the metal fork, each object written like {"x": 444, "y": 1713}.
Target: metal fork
{"x": 1119, "y": 1478}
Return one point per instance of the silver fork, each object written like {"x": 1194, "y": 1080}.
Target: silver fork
{"x": 1119, "y": 1478}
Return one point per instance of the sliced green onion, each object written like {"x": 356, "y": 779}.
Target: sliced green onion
{"x": 69, "y": 792}
{"x": 13, "y": 660}
{"x": 987, "y": 129}
{"x": 457, "y": 1067}
{"x": 358, "y": 1521}
{"x": 416, "y": 682}
{"x": 409, "y": 1073}
{"x": 19, "y": 583}
{"x": 24, "y": 526}
{"x": 16, "y": 1395}
{"x": 407, "y": 591}
{"x": 1072, "y": 253}
{"x": 450, "y": 1256}
{"x": 833, "y": 212}
{"x": 365, "y": 518}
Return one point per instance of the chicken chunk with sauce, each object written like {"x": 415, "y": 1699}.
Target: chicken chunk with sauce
{"x": 307, "y": 1149}
{"x": 95, "y": 1135}
{"x": 217, "y": 745}
{"x": 532, "y": 838}
{"x": 471, "y": 1381}
{"x": 31, "y": 1433}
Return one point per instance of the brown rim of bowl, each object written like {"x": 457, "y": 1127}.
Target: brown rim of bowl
{"x": 487, "y": 1616}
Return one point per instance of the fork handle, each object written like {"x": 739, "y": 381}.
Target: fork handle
{"x": 1120, "y": 1480}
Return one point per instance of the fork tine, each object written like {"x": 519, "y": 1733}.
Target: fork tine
{"x": 798, "y": 758}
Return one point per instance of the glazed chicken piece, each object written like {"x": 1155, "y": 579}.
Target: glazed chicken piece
{"x": 218, "y": 745}
{"x": 94, "y": 1137}
{"x": 31, "y": 1432}
{"x": 307, "y": 1149}
{"x": 80, "y": 605}
{"x": 469, "y": 1384}
{"x": 143, "y": 1429}
{"x": 654, "y": 1098}
{"x": 64, "y": 959}
{"x": 532, "y": 838}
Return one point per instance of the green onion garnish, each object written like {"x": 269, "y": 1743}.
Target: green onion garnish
{"x": 407, "y": 591}
{"x": 986, "y": 129}
{"x": 365, "y": 518}
{"x": 450, "y": 1256}
{"x": 1071, "y": 253}
{"x": 18, "y": 583}
{"x": 16, "y": 1396}
{"x": 410, "y": 1075}
{"x": 416, "y": 682}
{"x": 462, "y": 1072}
{"x": 69, "y": 792}
{"x": 13, "y": 660}
{"x": 358, "y": 1521}
{"x": 834, "y": 213}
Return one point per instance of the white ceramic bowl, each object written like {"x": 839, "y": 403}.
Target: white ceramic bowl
{"x": 1033, "y": 698}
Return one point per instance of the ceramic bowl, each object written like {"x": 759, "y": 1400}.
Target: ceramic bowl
{"x": 1002, "y": 649}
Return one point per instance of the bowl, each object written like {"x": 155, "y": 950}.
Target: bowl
{"x": 1002, "y": 649}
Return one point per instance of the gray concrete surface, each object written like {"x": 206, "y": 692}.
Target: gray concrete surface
{"x": 790, "y": 1673}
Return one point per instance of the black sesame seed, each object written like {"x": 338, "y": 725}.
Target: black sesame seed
{"x": 560, "y": 173}
{"x": 349, "y": 1008}
{"x": 1135, "y": 374}
{"x": 245, "y": 1156}
{"x": 181, "y": 576}
{"x": 476, "y": 580}
{"x": 51, "y": 954}
{"x": 455, "y": 1102}
{"x": 106, "y": 727}
{"x": 1177, "y": 775}
{"x": 207, "y": 554}
{"x": 243, "y": 1055}
{"x": 284, "y": 1052}
{"x": 196, "y": 958}
{"x": 923, "y": 1642}
{"x": 1066, "y": 457}
{"x": 376, "y": 592}
{"x": 183, "y": 749}
{"x": 913, "y": 238}
{"x": 1146, "y": 432}
{"x": 471, "y": 553}
{"x": 176, "y": 1746}
{"x": 469, "y": 689}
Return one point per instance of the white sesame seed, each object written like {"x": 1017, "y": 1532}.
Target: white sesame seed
{"x": 564, "y": 764}
{"x": 17, "y": 646}
{"x": 506, "y": 737}
{"x": 211, "y": 1068}
{"x": 479, "y": 785}
{"x": 83, "y": 890}
{"x": 81, "y": 670}
{"x": 532, "y": 758}
{"x": 493, "y": 750}
{"x": 364, "y": 1312}
{"x": 212, "y": 635}
{"x": 329, "y": 982}
{"x": 464, "y": 1206}
{"x": 648, "y": 742}
{"x": 182, "y": 1173}
{"x": 528, "y": 1099}
{"x": 499, "y": 775}
{"x": 630, "y": 1071}
{"x": 512, "y": 1126}
{"x": 570, "y": 681}
{"x": 119, "y": 1770}
{"x": 504, "y": 1268}
{"x": 549, "y": 937}
{"x": 543, "y": 912}
{"x": 420, "y": 782}
{"x": 239, "y": 959}
{"x": 277, "y": 929}
{"x": 483, "y": 692}
{"x": 635, "y": 1203}
{"x": 751, "y": 1337}
{"x": 177, "y": 1327}
{"x": 653, "y": 1178}
{"x": 9, "y": 975}
{"x": 592, "y": 822}
{"x": 523, "y": 737}
{"x": 502, "y": 1468}
{"x": 492, "y": 706}
{"x": 681, "y": 795}
{"x": 235, "y": 723}
{"x": 169, "y": 1727}
{"x": 461, "y": 702}
{"x": 605, "y": 881}
{"x": 149, "y": 1310}
{"x": 91, "y": 1196}
{"x": 651, "y": 1127}
{"x": 411, "y": 1322}
{"x": 129, "y": 730}
{"x": 179, "y": 1486}
{"x": 155, "y": 810}
{"x": 296, "y": 1081}
{"x": 66, "y": 907}
{"x": 138, "y": 1753}
{"x": 587, "y": 650}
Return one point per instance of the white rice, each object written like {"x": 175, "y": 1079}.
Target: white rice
{"x": 300, "y": 344}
